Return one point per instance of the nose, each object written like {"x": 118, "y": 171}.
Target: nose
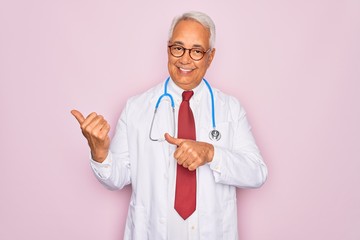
{"x": 186, "y": 59}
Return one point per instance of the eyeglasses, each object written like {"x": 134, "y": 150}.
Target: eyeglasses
{"x": 195, "y": 53}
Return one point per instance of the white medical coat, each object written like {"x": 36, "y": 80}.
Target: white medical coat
{"x": 150, "y": 166}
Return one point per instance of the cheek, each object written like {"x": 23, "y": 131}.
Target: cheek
{"x": 170, "y": 58}
{"x": 202, "y": 67}
{"x": 172, "y": 69}
{"x": 171, "y": 62}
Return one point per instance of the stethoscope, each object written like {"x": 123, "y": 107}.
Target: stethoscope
{"x": 214, "y": 134}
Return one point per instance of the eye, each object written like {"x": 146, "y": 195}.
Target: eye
{"x": 196, "y": 52}
{"x": 177, "y": 48}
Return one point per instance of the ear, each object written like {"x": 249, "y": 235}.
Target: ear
{"x": 211, "y": 57}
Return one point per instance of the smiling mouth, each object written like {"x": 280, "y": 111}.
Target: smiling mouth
{"x": 186, "y": 70}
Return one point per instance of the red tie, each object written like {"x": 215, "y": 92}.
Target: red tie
{"x": 185, "y": 193}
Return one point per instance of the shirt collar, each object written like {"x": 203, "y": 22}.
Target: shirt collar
{"x": 176, "y": 91}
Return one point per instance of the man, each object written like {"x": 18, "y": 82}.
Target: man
{"x": 215, "y": 165}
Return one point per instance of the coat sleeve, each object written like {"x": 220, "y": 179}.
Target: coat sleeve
{"x": 240, "y": 164}
{"x": 114, "y": 173}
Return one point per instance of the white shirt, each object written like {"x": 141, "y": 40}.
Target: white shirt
{"x": 151, "y": 169}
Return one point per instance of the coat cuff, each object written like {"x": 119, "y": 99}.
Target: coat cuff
{"x": 102, "y": 170}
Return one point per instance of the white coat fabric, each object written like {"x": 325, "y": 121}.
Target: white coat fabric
{"x": 150, "y": 167}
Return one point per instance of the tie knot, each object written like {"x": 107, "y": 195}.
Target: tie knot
{"x": 186, "y": 95}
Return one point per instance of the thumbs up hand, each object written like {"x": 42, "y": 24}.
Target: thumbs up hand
{"x": 96, "y": 130}
{"x": 191, "y": 154}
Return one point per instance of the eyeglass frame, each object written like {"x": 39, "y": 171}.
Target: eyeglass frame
{"x": 190, "y": 49}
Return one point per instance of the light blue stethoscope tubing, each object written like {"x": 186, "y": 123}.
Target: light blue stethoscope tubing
{"x": 213, "y": 135}
{"x": 165, "y": 94}
{"x": 212, "y": 104}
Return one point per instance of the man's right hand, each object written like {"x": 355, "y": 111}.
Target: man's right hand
{"x": 96, "y": 130}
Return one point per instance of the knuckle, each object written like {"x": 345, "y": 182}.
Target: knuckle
{"x": 186, "y": 144}
{"x": 193, "y": 154}
{"x": 85, "y": 129}
{"x": 95, "y": 133}
{"x": 91, "y": 115}
{"x": 102, "y": 137}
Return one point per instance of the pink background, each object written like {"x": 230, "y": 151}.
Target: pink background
{"x": 295, "y": 66}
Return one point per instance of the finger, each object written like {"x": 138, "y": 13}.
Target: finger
{"x": 98, "y": 129}
{"x": 181, "y": 160}
{"x": 179, "y": 155}
{"x": 190, "y": 165}
{"x": 88, "y": 120}
{"x": 186, "y": 162}
{"x": 95, "y": 124}
{"x": 79, "y": 117}
{"x": 193, "y": 166}
{"x": 172, "y": 140}
{"x": 104, "y": 131}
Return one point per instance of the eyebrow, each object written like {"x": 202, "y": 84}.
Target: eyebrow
{"x": 193, "y": 46}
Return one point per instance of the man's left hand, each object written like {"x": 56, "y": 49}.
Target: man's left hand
{"x": 191, "y": 154}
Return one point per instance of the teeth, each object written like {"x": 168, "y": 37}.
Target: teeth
{"x": 185, "y": 70}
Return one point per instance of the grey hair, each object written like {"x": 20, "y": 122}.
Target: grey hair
{"x": 199, "y": 17}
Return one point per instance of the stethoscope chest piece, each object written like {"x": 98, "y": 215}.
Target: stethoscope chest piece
{"x": 214, "y": 135}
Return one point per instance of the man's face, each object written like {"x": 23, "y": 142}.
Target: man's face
{"x": 186, "y": 72}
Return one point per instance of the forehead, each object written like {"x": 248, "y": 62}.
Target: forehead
{"x": 191, "y": 33}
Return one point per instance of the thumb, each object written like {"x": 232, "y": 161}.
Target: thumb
{"x": 172, "y": 140}
{"x": 79, "y": 117}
